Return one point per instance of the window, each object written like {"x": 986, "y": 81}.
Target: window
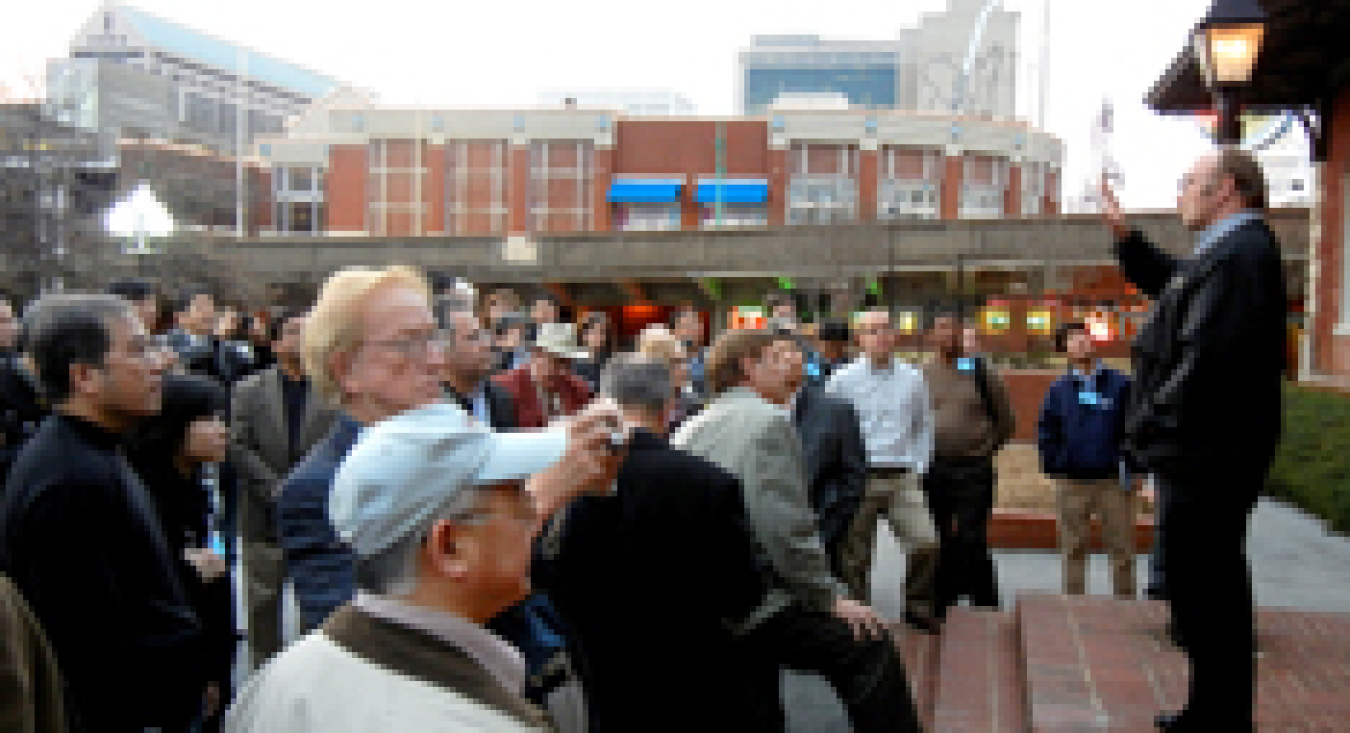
{"x": 647, "y": 216}
{"x": 982, "y": 185}
{"x": 561, "y": 172}
{"x": 910, "y": 183}
{"x": 736, "y": 215}
{"x": 396, "y": 187}
{"x": 301, "y": 178}
{"x": 476, "y": 177}
{"x": 823, "y": 184}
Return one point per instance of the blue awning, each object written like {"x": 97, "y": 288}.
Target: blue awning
{"x": 734, "y": 190}
{"x": 645, "y": 190}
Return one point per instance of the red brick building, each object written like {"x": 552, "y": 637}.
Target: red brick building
{"x": 404, "y": 172}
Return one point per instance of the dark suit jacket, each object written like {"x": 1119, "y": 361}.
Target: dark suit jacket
{"x": 22, "y": 410}
{"x": 321, "y": 566}
{"x": 836, "y": 461}
{"x": 80, "y": 537}
{"x": 501, "y": 409}
{"x": 261, "y": 451}
{"x": 525, "y": 396}
{"x": 1210, "y": 361}
{"x": 647, "y": 601}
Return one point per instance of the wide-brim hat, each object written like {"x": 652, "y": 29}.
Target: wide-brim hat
{"x": 559, "y": 339}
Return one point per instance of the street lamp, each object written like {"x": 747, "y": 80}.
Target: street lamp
{"x": 1227, "y": 43}
{"x": 139, "y": 215}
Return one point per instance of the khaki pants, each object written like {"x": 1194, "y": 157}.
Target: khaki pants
{"x": 1113, "y": 505}
{"x": 898, "y": 498}
{"x": 264, "y": 572}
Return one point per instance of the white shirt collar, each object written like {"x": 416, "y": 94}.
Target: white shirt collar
{"x": 494, "y": 654}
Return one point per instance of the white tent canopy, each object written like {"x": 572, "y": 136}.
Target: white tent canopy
{"x": 139, "y": 215}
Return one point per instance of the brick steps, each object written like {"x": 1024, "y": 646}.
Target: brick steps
{"x": 979, "y": 686}
{"x": 1058, "y": 664}
{"x": 920, "y": 652}
{"x": 1026, "y": 529}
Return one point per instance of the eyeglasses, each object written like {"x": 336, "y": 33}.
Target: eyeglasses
{"x": 147, "y": 347}
{"x": 414, "y": 346}
{"x": 878, "y": 331}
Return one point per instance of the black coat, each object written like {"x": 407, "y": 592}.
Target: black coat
{"x": 22, "y": 410}
{"x": 836, "y": 461}
{"x": 1209, "y": 363}
{"x": 184, "y": 508}
{"x": 501, "y": 409}
{"x": 80, "y": 537}
{"x": 646, "y": 579}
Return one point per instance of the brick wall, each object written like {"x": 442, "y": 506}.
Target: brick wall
{"x": 346, "y": 195}
{"x": 1027, "y": 390}
{"x": 1333, "y": 352}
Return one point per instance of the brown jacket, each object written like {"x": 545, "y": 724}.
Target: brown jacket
{"x": 963, "y": 426}
{"x": 519, "y": 383}
{"x": 31, "y": 700}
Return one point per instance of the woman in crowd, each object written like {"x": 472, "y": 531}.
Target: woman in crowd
{"x": 597, "y": 338}
{"x": 169, "y": 453}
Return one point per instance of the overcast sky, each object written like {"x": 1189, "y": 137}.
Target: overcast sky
{"x": 506, "y": 53}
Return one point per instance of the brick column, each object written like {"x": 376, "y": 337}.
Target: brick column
{"x": 951, "y": 187}
{"x": 1050, "y": 201}
{"x": 433, "y": 190}
{"x": 346, "y": 195}
{"x": 689, "y": 207}
{"x": 518, "y": 192}
{"x": 778, "y": 187}
{"x": 604, "y": 175}
{"x": 867, "y": 185}
{"x": 1012, "y": 195}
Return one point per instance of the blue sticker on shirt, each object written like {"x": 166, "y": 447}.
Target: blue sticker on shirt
{"x": 1089, "y": 398}
{"x": 965, "y": 365}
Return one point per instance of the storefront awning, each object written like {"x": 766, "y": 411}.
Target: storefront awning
{"x": 645, "y": 190}
{"x": 733, "y": 190}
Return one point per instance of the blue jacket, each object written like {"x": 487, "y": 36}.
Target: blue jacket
{"x": 1079, "y": 431}
{"x": 322, "y": 568}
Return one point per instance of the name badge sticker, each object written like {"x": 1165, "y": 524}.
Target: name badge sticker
{"x": 965, "y": 365}
{"x": 1089, "y": 398}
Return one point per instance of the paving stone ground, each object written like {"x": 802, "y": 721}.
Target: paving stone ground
{"x": 1296, "y": 566}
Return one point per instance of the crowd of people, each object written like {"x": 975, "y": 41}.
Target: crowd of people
{"x": 496, "y": 519}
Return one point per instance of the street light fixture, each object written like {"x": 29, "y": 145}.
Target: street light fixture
{"x": 1226, "y": 44}
{"x": 141, "y": 214}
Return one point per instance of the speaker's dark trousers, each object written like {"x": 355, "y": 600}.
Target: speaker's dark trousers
{"x": 1209, "y": 590}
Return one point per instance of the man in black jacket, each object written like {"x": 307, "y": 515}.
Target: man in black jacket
{"x": 22, "y": 406}
{"x": 835, "y": 458}
{"x": 79, "y": 534}
{"x": 1204, "y": 417}
{"x": 672, "y": 543}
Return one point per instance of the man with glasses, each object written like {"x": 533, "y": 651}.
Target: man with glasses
{"x": 371, "y": 349}
{"x": 79, "y": 534}
{"x": 891, "y": 399}
{"x": 276, "y": 420}
{"x": 468, "y": 364}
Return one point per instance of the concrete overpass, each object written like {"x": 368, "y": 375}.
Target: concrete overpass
{"x": 674, "y": 266}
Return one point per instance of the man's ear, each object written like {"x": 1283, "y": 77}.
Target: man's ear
{"x": 445, "y": 549}
{"x": 83, "y": 378}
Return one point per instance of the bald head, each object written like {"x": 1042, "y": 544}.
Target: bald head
{"x": 1219, "y": 185}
